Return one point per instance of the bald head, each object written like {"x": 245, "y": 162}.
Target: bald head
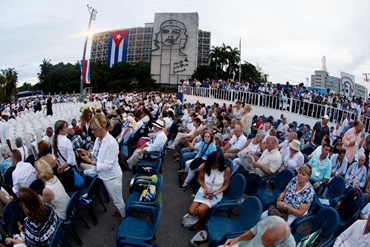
{"x": 271, "y": 143}
{"x": 275, "y": 234}
{"x": 237, "y": 130}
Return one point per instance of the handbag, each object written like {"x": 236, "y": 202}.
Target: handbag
{"x": 310, "y": 240}
{"x": 77, "y": 178}
{"x": 273, "y": 210}
{"x": 196, "y": 163}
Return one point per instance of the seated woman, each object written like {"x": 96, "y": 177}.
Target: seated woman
{"x": 297, "y": 197}
{"x": 40, "y": 223}
{"x": 45, "y": 155}
{"x": 294, "y": 158}
{"x": 214, "y": 178}
{"x": 207, "y": 147}
{"x": 54, "y": 192}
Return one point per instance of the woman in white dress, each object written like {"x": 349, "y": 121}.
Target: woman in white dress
{"x": 214, "y": 178}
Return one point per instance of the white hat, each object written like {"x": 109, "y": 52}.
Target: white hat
{"x": 5, "y": 113}
{"x": 295, "y": 144}
{"x": 326, "y": 117}
{"x": 159, "y": 124}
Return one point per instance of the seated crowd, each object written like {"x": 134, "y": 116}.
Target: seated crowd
{"x": 215, "y": 142}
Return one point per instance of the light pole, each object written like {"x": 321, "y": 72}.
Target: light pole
{"x": 92, "y": 13}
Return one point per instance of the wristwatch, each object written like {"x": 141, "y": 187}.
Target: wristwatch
{"x": 320, "y": 182}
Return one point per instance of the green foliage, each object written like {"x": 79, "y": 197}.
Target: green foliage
{"x": 66, "y": 77}
{"x": 8, "y": 84}
{"x": 203, "y": 72}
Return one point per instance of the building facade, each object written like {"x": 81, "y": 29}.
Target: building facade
{"x": 133, "y": 45}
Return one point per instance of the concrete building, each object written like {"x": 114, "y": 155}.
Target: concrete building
{"x": 137, "y": 44}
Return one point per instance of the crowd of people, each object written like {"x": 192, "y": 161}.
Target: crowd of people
{"x": 203, "y": 137}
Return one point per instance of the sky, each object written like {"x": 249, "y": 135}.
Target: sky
{"x": 286, "y": 38}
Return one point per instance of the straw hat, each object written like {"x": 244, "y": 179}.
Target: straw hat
{"x": 296, "y": 145}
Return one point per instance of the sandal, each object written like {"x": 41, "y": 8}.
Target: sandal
{"x": 115, "y": 214}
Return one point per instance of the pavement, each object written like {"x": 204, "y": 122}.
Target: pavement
{"x": 170, "y": 231}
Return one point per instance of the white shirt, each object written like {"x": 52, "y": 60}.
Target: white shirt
{"x": 66, "y": 150}
{"x": 366, "y": 211}
{"x": 107, "y": 166}
{"x": 293, "y": 162}
{"x": 353, "y": 236}
{"x": 23, "y": 175}
{"x": 24, "y": 152}
{"x": 49, "y": 140}
{"x": 283, "y": 127}
{"x": 4, "y": 132}
{"x": 338, "y": 167}
{"x": 237, "y": 142}
{"x": 158, "y": 142}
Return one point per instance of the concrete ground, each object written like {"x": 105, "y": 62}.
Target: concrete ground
{"x": 170, "y": 231}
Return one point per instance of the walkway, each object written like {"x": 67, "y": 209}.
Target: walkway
{"x": 170, "y": 231}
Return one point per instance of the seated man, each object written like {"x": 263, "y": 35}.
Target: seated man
{"x": 22, "y": 149}
{"x": 355, "y": 235}
{"x": 49, "y": 136}
{"x": 339, "y": 163}
{"x": 155, "y": 144}
{"x": 235, "y": 144}
{"x": 24, "y": 173}
{"x": 321, "y": 167}
{"x": 187, "y": 135}
{"x": 365, "y": 212}
{"x": 356, "y": 173}
{"x": 272, "y": 231}
{"x": 267, "y": 165}
{"x": 77, "y": 141}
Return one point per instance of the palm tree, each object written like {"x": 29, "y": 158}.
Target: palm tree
{"x": 233, "y": 57}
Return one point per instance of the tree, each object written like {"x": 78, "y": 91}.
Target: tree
{"x": 250, "y": 72}
{"x": 233, "y": 57}
{"x": 44, "y": 80}
{"x": 203, "y": 72}
{"x": 8, "y": 84}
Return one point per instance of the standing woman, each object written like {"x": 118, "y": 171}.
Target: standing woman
{"x": 104, "y": 161}
{"x": 246, "y": 120}
{"x": 64, "y": 154}
{"x": 214, "y": 178}
{"x": 86, "y": 132}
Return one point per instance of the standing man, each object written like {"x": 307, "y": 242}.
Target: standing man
{"x": 320, "y": 129}
{"x": 352, "y": 140}
{"x": 4, "y": 130}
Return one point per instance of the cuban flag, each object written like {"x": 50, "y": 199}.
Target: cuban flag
{"x": 117, "y": 49}
{"x": 85, "y": 70}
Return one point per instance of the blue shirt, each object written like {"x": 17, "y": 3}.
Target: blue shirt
{"x": 205, "y": 150}
{"x": 4, "y": 165}
{"x": 320, "y": 168}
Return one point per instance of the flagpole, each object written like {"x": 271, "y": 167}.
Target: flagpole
{"x": 93, "y": 13}
{"x": 240, "y": 60}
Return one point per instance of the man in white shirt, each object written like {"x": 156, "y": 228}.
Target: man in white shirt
{"x": 48, "y": 136}
{"x": 4, "y": 130}
{"x": 22, "y": 149}
{"x": 186, "y": 135}
{"x": 235, "y": 144}
{"x": 355, "y": 235}
{"x": 283, "y": 127}
{"x": 339, "y": 163}
{"x": 155, "y": 144}
{"x": 24, "y": 173}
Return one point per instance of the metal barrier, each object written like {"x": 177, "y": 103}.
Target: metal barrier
{"x": 294, "y": 106}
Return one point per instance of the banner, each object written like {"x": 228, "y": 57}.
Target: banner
{"x": 117, "y": 49}
{"x": 85, "y": 71}
{"x": 347, "y": 84}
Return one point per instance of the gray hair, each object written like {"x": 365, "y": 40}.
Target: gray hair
{"x": 18, "y": 142}
{"x": 280, "y": 227}
{"x": 261, "y": 133}
{"x": 274, "y": 140}
{"x": 295, "y": 136}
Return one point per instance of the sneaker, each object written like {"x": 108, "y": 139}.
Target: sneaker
{"x": 170, "y": 143}
{"x": 193, "y": 195}
{"x": 182, "y": 170}
{"x": 177, "y": 159}
{"x": 171, "y": 147}
{"x": 184, "y": 185}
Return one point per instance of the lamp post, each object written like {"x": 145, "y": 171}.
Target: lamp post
{"x": 92, "y": 13}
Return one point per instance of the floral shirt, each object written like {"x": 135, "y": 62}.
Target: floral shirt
{"x": 294, "y": 198}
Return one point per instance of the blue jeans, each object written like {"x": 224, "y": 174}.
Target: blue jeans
{"x": 185, "y": 155}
